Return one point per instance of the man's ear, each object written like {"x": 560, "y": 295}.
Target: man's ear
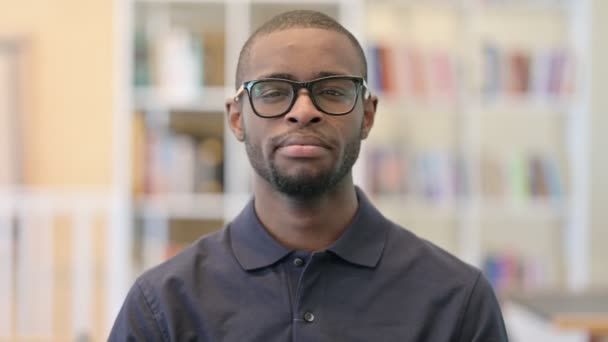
{"x": 369, "y": 114}
{"x": 235, "y": 118}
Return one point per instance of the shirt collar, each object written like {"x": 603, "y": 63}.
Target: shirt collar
{"x": 363, "y": 240}
{"x": 252, "y": 245}
{"x": 361, "y": 243}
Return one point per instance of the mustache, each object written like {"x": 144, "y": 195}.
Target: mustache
{"x": 283, "y": 138}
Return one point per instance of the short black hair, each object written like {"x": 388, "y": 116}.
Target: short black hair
{"x": 296, "y": 19}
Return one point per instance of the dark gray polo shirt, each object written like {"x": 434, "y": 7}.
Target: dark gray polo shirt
{"x": 378, "y": 282}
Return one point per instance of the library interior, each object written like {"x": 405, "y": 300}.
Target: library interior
{"x": 115, "y": 153}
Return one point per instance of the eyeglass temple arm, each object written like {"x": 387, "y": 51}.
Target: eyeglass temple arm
{"x": 367, "y": 94}
{"x": 238, "y": 93}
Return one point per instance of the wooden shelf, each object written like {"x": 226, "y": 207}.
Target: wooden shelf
{"x": 196, "y": 206}
{"x": 206, "y": 99}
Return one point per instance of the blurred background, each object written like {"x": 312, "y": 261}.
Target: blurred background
{"x": 114, "y": 153}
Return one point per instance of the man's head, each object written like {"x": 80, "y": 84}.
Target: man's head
{"x": 296, "y": 19}
{"x": 305, "y": 152}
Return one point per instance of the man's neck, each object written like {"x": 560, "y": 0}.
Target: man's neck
{"x": 306, "y": 224}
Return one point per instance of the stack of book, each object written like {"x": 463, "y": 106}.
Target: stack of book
{"x": 179, "y": 63}
{"x": 413, "y": 73}
{"x": 522, "y": 177}
{"x": 434, "y": 176}
{"x": 542, "y": 75}
{"x": 508, "y": 271}
{"x": 169, "y": 162}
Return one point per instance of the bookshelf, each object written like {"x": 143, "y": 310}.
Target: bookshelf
{"x": 474, "y": 131}
{"x": 177, "y": 92}
{"x": 472, "y": 146}
{"x": 188, "y": 175}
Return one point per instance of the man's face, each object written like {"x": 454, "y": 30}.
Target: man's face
{"x": 304, "y": 153}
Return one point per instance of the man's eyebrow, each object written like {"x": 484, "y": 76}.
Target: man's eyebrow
{"x": 278, "y": 75}
{"x": 329, "y": 73}
{"x": 291, "y": 77}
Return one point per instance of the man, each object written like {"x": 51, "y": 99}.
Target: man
{"x": 309, "y": 258}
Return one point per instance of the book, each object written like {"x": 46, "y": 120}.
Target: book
{"x": 141, "y": 59}
{"x": 432, "y": 176}
{"x": 442, "y": 76}
{"x": 418, "y": 73}
{"x": 537, "y": 179}
{"x": 179, "y": 66}
{"x": 180, "y": 163}
{"x": 209, "y": 159}
{"x": 181, "y": 167}
{"x": 385, "y": 58}
{"x": 492, "y": 178}
{"x": 543, "y": 74}
{"x": 413, "y": 73}
{"x": 557, "y": 66}
{"x": 492, "y": 66}
{"x": 518, "y": 178}
{"x": 375, "y": 61}
{"x": 213, "y": 59}
{"x": 139, "y": 153}
{"x": 508, "y": 271}
{"x": 518, "y": 73}
{"x": 551, "y": 174}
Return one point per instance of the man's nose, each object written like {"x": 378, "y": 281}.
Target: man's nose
{"x": 304, "y": 111}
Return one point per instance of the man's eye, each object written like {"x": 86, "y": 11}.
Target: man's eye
{"x": 273, "y": 94}
{"x": 331, "y": 92}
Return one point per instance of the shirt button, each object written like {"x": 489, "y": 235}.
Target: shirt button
{"x": 298, "y": 262}
{"x": 309, "y": 317}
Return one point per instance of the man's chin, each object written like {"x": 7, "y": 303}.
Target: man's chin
{"x": 302, "y": 187}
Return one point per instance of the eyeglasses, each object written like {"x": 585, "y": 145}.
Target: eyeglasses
{"x": 332, "y": 95}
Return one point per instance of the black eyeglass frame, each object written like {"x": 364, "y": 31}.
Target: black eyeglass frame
{"x": 296, "y": 86}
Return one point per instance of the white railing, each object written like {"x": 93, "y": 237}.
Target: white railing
{"x": 47, "y": 284}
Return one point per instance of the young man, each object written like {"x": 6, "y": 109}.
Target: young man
{"x": 309, "y": 258}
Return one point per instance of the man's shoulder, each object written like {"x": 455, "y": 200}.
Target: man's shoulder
{"x": 208, "y": 251}
{"x": 426, "y": 258}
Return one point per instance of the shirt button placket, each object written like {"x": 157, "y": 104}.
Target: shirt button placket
{"x": 307, "y": 320}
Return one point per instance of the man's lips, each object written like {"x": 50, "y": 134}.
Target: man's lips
{"x": 302, "y": 147}
{"x": 302, "y": 151}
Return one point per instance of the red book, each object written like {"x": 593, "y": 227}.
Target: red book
{"x": 387, "y": 69}
{"x": 417, "y": 68}
{"x": 519, "y": 73}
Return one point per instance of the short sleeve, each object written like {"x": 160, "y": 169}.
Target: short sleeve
{"x": 136, "y": 320}
{"x": 482, "y": 319}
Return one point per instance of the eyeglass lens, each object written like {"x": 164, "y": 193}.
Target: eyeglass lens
{"x": 333, "y": 96}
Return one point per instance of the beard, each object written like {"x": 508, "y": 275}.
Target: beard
{"x": 303, "y": 185}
